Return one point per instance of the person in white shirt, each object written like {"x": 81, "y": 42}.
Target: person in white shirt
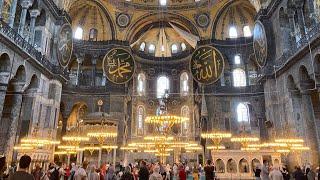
{"x": 81, "y": 173}
{"x": 275, "y": 174}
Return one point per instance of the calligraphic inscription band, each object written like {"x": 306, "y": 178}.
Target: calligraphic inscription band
{"x": 118, "y": 65}
{"x": 260, "y": 44}
{"x": 65, "y": 45}
{"x": 207, "y": 65}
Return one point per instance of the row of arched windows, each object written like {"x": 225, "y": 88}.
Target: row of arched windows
{"x": 233, "y": 33}
{"x": 163, "y": 85}
{"x": 93, "y": 34}
{"x": 151, "y": 48}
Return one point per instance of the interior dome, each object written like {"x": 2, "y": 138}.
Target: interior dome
{"x": 92, "y": 19}
{"x": 235, "y": 20}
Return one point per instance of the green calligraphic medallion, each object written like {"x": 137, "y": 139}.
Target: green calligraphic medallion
{"x": 207, "y": 65}
{"x": 260, "y": 44}
{"x": 118, "y": 65}
{"x": 65, "y": 45}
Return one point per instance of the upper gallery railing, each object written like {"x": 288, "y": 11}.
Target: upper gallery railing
{"x": 16, "y": 38}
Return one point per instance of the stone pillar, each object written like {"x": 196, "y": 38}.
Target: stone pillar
{"x": 68, "y": 162}
{"x": 309, "y": 124}
{"x": 247, "y": 73}
{"x": 1, "y": 8}
{"x": 99, "y": 157}
{"x": 114, "y": 157}
{"x": 79, "y": 60}
{"x": 34, "y": 13}
{"x": 94, "y": 71}
{"x": 12, "y": 132}
{"x": 25, "y": 4}
{"x": 301, "y": 21}
{"x": 3, "y": 90}
{"x": 13, "y": 10}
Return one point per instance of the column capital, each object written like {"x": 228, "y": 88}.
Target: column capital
{"x": 25, "y": 4}
{"x": 34, "y": 13}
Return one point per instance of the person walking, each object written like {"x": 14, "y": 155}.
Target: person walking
{"x": 275, "y": 174}
{"x": 22, "y": 173}
{"x": 311, "y": 175}
{"x": 156, "y": 173}
{"x": 257, "y": 172}
{"x": 81, "y": 173}
{"x": 209, "y": 170}
{"x": 143, "y": 172}
{"x": 127, "y": 175}
{"x": 265, "y": 171}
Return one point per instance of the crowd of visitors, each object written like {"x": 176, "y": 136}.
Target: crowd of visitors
{"x": 141, "y": 171}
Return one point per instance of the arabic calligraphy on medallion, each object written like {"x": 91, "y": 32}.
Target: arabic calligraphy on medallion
{"x": 118, "y": 65}
{"x": 260, "y": 44}
{"x": 65, "y": 45}
{"x": 207, "y": 65}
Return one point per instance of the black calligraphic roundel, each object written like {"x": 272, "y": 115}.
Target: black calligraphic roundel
{"x": 207, "y": 65}
{"x": 118, "y": 65}
{"x": 65, "y": 45}
{"x": 260, "y": 44}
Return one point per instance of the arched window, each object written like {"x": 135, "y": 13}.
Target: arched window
{"x": 183, "y": 46}
{"x": 79, "y": 33}
{"x": 152, "y": 48}
{"x": 243, "y": 113}
{"x": 174, "y": 48}
{"x": 247, "y": 31}
{"x": 233, "y": 32}
{"x": 141, "y": 84}
{"x": 163, "y": 2}
{"x": 93, "y": 34}
{"x": 185, "y": 113}
{"x": 163, "y": 85}
{"x": 239, "y": 77}
{"x": 142, "y": 46}
{"x": 184, "y": 86}
{"x": 140, "y": 119}
{"x": 237, "y": 59}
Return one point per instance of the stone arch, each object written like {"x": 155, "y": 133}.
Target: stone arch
{"x": 244, "y": 166}
{"x": 231, "y": 166}
{"x": 305, "y": 81}
{"x": 42, "y": 18}
{"x": 243, "y": 14}
{"x": 220, "y": 166}
{"x": 5, "y": 63}
{"x": 291, "y": 85}
{"x": 78, "y": 110}
{"x": 255, "y": 163}
{"x": 83, "y": 7}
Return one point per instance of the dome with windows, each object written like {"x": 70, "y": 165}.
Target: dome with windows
{"x": 235, "y": 21}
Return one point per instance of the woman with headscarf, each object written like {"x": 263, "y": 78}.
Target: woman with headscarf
{"x": 93, "y": 175}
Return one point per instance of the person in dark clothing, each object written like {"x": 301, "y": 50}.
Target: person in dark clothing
{"x": 285, "y": 173}
{"x": 298, "y": 174}
{"x": 209, "y": 170}
{"x": 22, "y": 173}
{"x": 257, "y": 172}
{"x": 127, "y": 175}
{"x": 143, "y": 172}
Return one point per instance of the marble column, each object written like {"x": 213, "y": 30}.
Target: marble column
{"x": 114, "y": 157}
{"x": 12, "y": 132}
{"x": 94, "y": 71}
{"x": 25, "y": 4}
{"x": 1, "y": 8}
{"x": 79, "y": 61}
{"x": 34, "y": 13}
{"x": 309, "y": 124}
{"x": 3, "y": 91}
{"x": 99, "y": 157}
{"x": 13, "y": 10}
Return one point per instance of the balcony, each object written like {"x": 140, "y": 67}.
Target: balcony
{"x": 16, "y": 39}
